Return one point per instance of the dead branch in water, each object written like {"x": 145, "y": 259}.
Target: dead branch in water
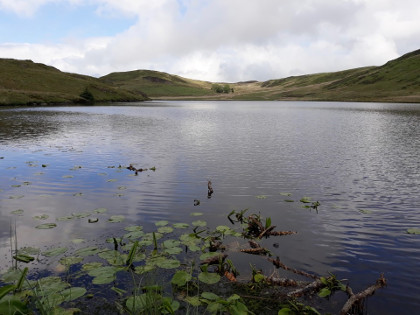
{"x": 276, "y": 262}
{"x": 359, "y": 297}
{"x": 313, "y": 286}
{"x": 256, "y": 251}
{"x": 281, "y": 233}
{"x": 283, "y": 282}
{"x": 209, "y": 189}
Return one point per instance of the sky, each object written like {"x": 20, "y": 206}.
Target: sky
{"x": 213, "y": 40}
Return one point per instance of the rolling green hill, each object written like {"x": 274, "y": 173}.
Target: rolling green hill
{"x": 158, "y": 84}
{"x": 23, "y": 82}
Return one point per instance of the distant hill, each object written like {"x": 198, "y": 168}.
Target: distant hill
{"x": 23, "y": 82}
{"x": 158, "y": 84}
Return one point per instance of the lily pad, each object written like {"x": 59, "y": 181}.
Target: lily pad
{"x": 111, "y": 180}
{"x": 100, "y": 210}
{"x": 287, "y": 194}
{"x": 364, "y": 211}
{"x": 181, "y": 225}
{"x": 41, "y": 217}
{"x": 196, "y": 214}
{"x": 15, "y": 186}
{"x": 165, "y": 229}
{"x": 71, "y": 260}
{"x": 88, "y": 251}
{"x": 17, "y": 197}
{"x": 103, "y": 275}
{"x": 210, "y": 296}
{"x": 413, "y": 231}
{"x": 55, "y": 252}
{"x": 66, "y": 218}
{"x": 78, "y": 194}
{"x": 91, "y": 266}
{"x": 122, "y": 188}
{"x": 199, "y": 223}
{"x": 23, "y": 258}
{"x": 261, "y": 197}
{"x": 81, "y": 215}
{"x": 173, "y": 250}
{"x": 116, "y": 218}
{"x": 77, "y": 240}
{"x": 209, "y": 278}
{"x": 169, "y": 264}
{"x": 68, "y": 176}
{"x": 46, "y": 226}
{"x": 305, "y": 200}
{"x": 17, "y": 212}
{"x": 113, "y": 257}
{"x": 180, "y": 278}
{"x": 162, "y": 223}
{"x": 72, "y": 293}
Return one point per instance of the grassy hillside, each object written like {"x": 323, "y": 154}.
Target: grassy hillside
{"x": 396, "y": 81}
{"x": 158, "y": 84}
{"x": 24, "y": 82}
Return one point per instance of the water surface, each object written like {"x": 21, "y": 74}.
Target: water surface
{"x": 360, "y": 160}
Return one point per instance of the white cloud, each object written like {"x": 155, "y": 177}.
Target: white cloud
{"x": 234, "y": 40}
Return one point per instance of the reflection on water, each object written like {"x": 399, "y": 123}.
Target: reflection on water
{"x": 359, "y": 160}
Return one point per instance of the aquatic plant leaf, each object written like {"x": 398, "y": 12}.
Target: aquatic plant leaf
{"x": 162, "y": 223}
{"x": 46, "y": 226}
{"x": 305, "y": 200}
{"x": 111, "y": 180}
{"x": 199, "y": 223}
{"x": 171, "y": 243}
{"x": 15, "y": 186}
{"x": 261, "y": 197}
{"x": 364, "y": 211}
{"x": 288, "y": 200}
{"x": 72, "y": 293}
{"x": 66, "y": 218}
{"x": 100, "y": 210}
{"x": 209, "y": 278}
{"x": 71, "y": 260}
{"x": 324, "y": 292}
{"x": 27, "y": 183}
{"x": 68, "y": 176}
{"x": 55, "y": 252}
{"x": 173, "y": 250}
{"x": 113, "y": 257}
{"x": 144, "y": 269}
{"x": 137, "y": 304}
{"x": 165, "y": 229}
{"x": 116, "y": 218}
{"x": 17, "y": 212}
{"x": 209, "y": 255}
{"x": 133, "y": 228}
{"x": 88, "y": 251}
{"x": 224, "y": 229}
{"x": 41, "y": 217}
{"x": 29, "y": 250}
{"x": 81, "y": 215}
{"x": 413, "y": 231}
{"x": 196, "y": 214}
{"x": 23, "y": 258}
{"x": 122, "y": 187}
{"x": 102, "y": 174}
{"x": 287, "y": 194}
{"x": 169, "y": 264}
{"x": 134, "y": 235}
{"x": 78, "y": 194}
{"x": 91, "y": 266}
{"x": 180, "y": 278}
{"x": 104, "y": 275}
{"x": 193, "y": 300}
{"x": 181, "y": 225}
{"x": 210, "y": 296}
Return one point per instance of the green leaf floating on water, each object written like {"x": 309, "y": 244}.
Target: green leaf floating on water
{"x": 24, "y": 258}
{"x": 68, "y": 176}
{"x": 72, "y": 293}
{"x": 46, "y": 226}
{"x": 168, "y": 263}
{"x": 364, "y": 211}
{"x": 181, "y": 225}
{"x": 55, "y": 252}
{"x": 209, "y": 278}
{"x": 261, "y": 197}
{"x": 199, "y": 223}
{"x": 133, "y": 228}
{"x": 210, "y": 296}
{"x": 165, "y": 229}
{"x": 15, "y": 186}
{"x": 41, "y": 217}
{"x": 180, "y": 278}
{"x": 116, "y": 218}
{"x": 77, "y": 240}
{"x": 17, "y": 197}
{"x": 17, "y": 212}
{"x": 104, "y": 275}
{"x": 413, "y": 231}
{"x": 171, "y": 243}
{"x": 72, "y": 260}
{"x": 287, "y": 194}
{"x": 162, "y": 223}
{"x": 305, "y": 200}
{"x": 88, "y": 251}
{"x": 100, "y": 210}
{"x": 196, "y": 214}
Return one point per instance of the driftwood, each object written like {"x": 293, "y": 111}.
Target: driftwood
{"x": 276, "y": 262}
{"x": 281, "y": 233}
{"x": 359, "y": 297}
{"x": 284, "y": 282}
{"x": 256, "y": 251}
{"x": 313, "y": 286}
{"x": 266, "y": 231}
{"x": 254, "y": 244}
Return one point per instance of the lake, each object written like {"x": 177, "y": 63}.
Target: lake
{"x": 359, "y": 160}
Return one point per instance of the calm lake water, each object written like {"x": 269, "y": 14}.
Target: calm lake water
{"x": 360, "y": 160}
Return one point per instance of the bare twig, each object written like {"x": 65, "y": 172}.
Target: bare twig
{"x": 281, "y": 233}
{"x": 276, "y": 262}
{"x": 266, "y": 232}
{"x": 256, "y": 251}
{"x": 313, "y": 286}
{"x": 284, "y": 282}
{"x": 357, "y": 298}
